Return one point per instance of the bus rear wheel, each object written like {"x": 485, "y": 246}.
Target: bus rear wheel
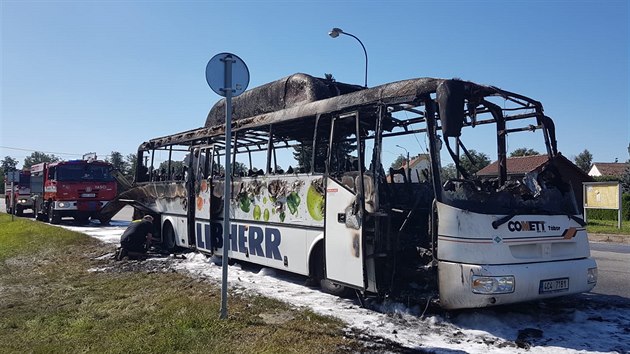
{"x": 168, "y": 237}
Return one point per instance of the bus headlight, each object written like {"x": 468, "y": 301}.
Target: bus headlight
{"x": 22, "y": 201}
{"x": 64, "y": 205}
{"x": 591, "y": 276}
{"x": 492, "y": 285}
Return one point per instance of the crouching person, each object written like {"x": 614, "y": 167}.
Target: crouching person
{"x": 135, "y": 241}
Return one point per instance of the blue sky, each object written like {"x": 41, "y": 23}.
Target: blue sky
{"x": 102, "y": 76}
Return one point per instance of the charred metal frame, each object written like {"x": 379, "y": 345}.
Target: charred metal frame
{"x": 285, "y": 122}
{"x": 406, "y": 96}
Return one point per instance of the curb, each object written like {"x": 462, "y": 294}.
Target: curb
{"x": 609, "y": 238}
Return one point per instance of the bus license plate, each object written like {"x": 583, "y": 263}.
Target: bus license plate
{"x": 88, "y": 195}
{"x": 553, "y": 285}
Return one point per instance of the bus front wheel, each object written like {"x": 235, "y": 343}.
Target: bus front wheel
{"x": 317, "y": 273}
{"x": 330, "y": 287}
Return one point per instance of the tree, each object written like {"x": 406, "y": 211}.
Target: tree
{"x": 625, "y": 180}
{"x": 524, "y": 152}
{"x": 304, "y": 152}
{"x": 8, "y": 164}
{"x": 400, "y": 161}
{"x": 131, "y": 160}
{"x": 479, "y": 161}
{"x": 448, "y": 172}
{"x": 177, "y": 168}
{"x": 116, "y": 159}
{"x": 239, "y": 168}
{"x": 39, "y": 157}
{"x": 584, "y": 160}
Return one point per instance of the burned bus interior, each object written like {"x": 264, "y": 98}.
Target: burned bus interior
{"x": 342, "y": 131}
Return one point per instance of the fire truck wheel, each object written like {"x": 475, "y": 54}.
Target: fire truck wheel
{"x": 53, "y": 216}
{"x": 83, "y": 219}
{"x": 39, "y": 216}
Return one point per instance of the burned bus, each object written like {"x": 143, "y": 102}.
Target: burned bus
{"x": 312, "y": 195}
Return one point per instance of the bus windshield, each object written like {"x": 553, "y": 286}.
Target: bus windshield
{"x": 536, "y": 193}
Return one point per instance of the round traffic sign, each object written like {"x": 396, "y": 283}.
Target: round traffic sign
{"x": 216, "y": 74}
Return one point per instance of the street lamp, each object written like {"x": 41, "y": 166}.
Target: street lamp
{"x": 335, "y": 32}
{"x": 408, "y": 169}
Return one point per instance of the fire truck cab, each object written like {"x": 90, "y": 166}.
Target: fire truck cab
{"x": 77, "y": 188}
{"x": 21, "y": 194}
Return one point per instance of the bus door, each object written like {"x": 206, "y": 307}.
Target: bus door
{"x": 344, "y": 246}
{"x": 201, "y": 187}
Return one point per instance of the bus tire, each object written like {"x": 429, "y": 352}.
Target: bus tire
{"x": 332, "y": 288}
{"x": 168, "y": 237}
{"x": 317, "y": 274}
{"x": 53, "y": 216}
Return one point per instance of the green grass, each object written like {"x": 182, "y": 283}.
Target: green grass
{"x": 608, "y": 227}
{"x": 49, "y": 302}
{"x": 23, "y": 236}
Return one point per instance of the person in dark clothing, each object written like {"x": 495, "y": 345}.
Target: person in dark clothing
{"x": 135, "y": 240}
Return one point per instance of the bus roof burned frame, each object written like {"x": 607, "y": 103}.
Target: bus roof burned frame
{"x": 407, "y": 95}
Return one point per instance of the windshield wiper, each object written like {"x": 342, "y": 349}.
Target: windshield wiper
{"x": 503, "y": 220}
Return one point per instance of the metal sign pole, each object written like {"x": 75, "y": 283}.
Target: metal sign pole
{"x": 12, "y": 201}
{"x": 224, "y": 71}
{"x": 619, "y": 193}
{"x": 228, "y": 181}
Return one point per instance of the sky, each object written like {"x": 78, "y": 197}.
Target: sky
{"x": 588, "y": 323}
{"x": 103, "y": 76}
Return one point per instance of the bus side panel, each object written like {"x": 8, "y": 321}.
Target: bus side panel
{"x": 281, "y": 247}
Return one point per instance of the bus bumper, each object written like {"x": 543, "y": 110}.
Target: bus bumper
{"x": 530, "y": 282}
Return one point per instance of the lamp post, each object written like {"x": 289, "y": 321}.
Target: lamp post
{"x": 335, "y": 32}
{"x": 408, "y": 169}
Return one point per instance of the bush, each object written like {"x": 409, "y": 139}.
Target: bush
{"x": 608, "y": 214}
{"x": 601, "y": 214}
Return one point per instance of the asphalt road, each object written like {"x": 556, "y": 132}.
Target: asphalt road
{"x": 126, "y": 214}
{"x": 613, "y": 263}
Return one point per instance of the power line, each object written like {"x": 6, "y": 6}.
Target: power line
{"x": 50, "y": 152}
{"x": 46, "y": 152}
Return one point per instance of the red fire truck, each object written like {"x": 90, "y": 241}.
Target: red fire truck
{"x": 21, "y": 194}
{"x": 78, "y": 188}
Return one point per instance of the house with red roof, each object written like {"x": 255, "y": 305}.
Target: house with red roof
{"x": 612, "y": 169}
{"x": 517, "y": 167}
